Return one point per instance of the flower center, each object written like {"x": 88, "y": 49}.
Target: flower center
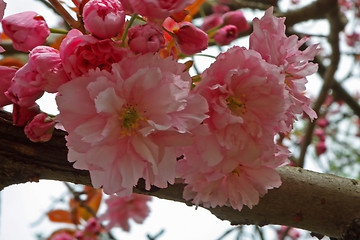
{"x": 130, "y": 120}
{"x": 236, "y": 104}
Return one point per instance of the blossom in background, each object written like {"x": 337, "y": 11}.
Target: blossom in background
{"x": 129, "y": 123}
{"x": 6, "y": 73}
{"x": 26, "y": 29}
{"x": 40, "y": 128}
{"x": 104, "y": 18}
{"x": 146, "y": 38}
{"x": 121, "y": 209}
{"x": 237, "y": 19}
{"x": 156, "y": 10}
{"x": 269, "y": 39}
{"x": 80, "y": 53}
{"x": 233, "y": 157}
{"x": 226, "y": 34}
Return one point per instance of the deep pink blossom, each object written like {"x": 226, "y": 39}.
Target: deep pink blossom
{"x": 146, "y": 38}
{"x": 156, "y": 9}
{"x": 233, "y": 158}
{"x": 62, "y": 236}
{"x": 44, "y": 70}
{"x": 237, "y": 19}
{"x": 269, "y": 39}
{"x": 190, "y": 39}
{"x": 26, "y": 29}
{"x": 121, "y": 209}
{"x": 226, "y": 34}
{"x": 6, "y": 73}
{"x": 128, "y": 124}
{"x": 104, "y": 18}
{"x": 320, "y": 148}
{"x": 40, "y": 128}
{"x": 80, "y": 53}
{"x": 291, "y": 232}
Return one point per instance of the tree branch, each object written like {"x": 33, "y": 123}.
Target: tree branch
{"x": 317, "y": 202}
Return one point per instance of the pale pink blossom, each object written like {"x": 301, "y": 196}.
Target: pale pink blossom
{"x": 233, "y": 158}
{"x": 146, "y": 38}
{"x": 121, "y": 209}
{"x": 237, "y": 19}
{"x": 104, "y": 18}
{"x": 128, "y": 124}
{"x": 269, "y": 39}
{"x": 80, "y": 53}
{"x": 44, "y": 70}
{"x": 2, "y": 10}
{"x": 156, "y": 9}
{"x": 190, "y": 39}
{"x": 226, "y": 34}
{"x": 6, "y": 73}
{"x": 40, "y": 128}
{"x": 22, "y": 115}
{"x": 26, "y": 29}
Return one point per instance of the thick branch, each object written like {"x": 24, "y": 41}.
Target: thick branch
{"x": 317, "y": 202}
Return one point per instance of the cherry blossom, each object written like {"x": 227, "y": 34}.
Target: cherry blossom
{"x": 40, "y": 128}
{"x": 128, "y": 124}
{"x": 104, "y": 18}
{"x": 146, "y": 38}
{"x": 6, "y": 73}
{"x": 26, "y": 29}
{"x": 190, "y": 39}
{"x": 2, "y": 10}
{"x": 121, "y": 209}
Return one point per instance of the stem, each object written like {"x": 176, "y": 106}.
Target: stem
{"x": 131, "y": 21}
{"x": 59, "y": 31}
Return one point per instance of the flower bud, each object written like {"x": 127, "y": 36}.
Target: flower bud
{"x": 146, "y": 38}
{"x": 237, "y": 19}
{"x": 226, "y": 35}
{"x": 190, "y": 39}
{"x": 6, "y": 73}
{"x": 212, "y": 21}
{"x": 40, "y": 128}
{"x": 104, "y": 18}
{"x": 320, "y": 148}
{"x": 26, "y": 29}
{"x": 22, "y": 115}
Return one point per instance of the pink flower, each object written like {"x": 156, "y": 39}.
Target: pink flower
{"x": 6, "y": 73}
{"x": 226, "y": 34}
{"x": 127, "y": 124}
{"x": 62, "y": 236}
{"x": 269, "y": 39}
{"x": 22, "y": 115}
{"x": 146, "y": 38}
{"x": 190, "y": 39}
{"x": 291, "y": 232}
{"x": 80, "y": 53}
{"x": 26, "y": 29}
{"x": 40, "y": 128}
{"x": 320, "y": 148}
{"x": 43, "y": 70}
{"x": 2, "y": 10}
{"x": 23, "y": 95}
{"x": 233, "y": 157}
{"x": 92, "y": 226}
{"x": 121, "y": 209}
{"x": 104, "y": 18}
{"x": 157, "y": 9}
{"x": 237, "y": 19}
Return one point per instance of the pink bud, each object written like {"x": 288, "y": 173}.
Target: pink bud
{"x": 237, "y": 19}
{"x": 44, "y": 70}
{"x": 40, "y": 128}
{"x": 320, "y": 148}
{"x": 212, "y": 21}
{"x": 22, "y": 95}
{"x": 146, "y": 38}
{"x": 6, "y": 73}
{"x": 226, "y": 34}
{"x": 26, "y": 29}
{"x": 22, "y": 115}
{"x": 2, "y": 10}
{"x": 322, "y": 122}
{"x": 61, "y": 236}
{"x": 104, "y": 18}
{"x": 320, "y": 133}
{"x": 92, "y": 226}
{"x": 190, "y": 39}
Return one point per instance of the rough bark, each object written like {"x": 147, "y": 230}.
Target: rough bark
{"x": 321, "y": 203}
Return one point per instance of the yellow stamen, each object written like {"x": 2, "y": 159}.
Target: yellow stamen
{"x": 236, "y": 105}
{"x": 130, "y": 120}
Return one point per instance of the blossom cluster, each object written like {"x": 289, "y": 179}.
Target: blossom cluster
{"x": 132, "y": 110}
